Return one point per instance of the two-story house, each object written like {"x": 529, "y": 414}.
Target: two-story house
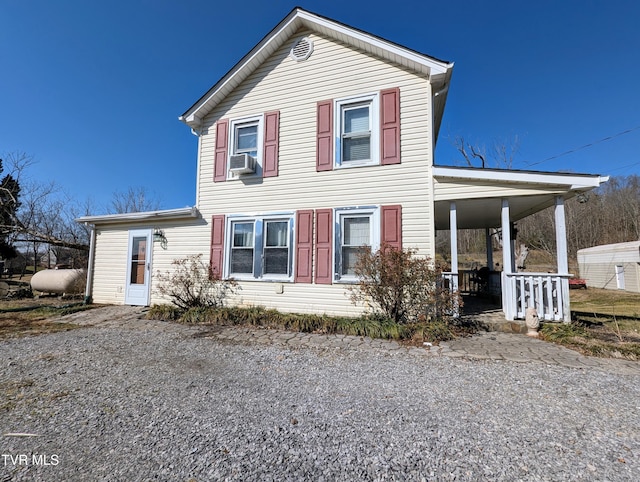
{"x": 319, "y": 141}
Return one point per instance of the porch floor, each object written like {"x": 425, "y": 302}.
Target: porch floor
{"x": 489, "y": 315}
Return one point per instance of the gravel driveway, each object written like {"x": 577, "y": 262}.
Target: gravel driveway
{"x": 155, "y": 401}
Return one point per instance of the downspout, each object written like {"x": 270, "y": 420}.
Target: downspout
{"x": 92, "y": 250}
{"x": 198, "y": 134}
{"x": 444, "y": 90}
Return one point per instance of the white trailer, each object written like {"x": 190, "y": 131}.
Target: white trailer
{"x": 611, "y": 266}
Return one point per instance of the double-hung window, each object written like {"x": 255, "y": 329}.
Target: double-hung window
{"x": 260, "y": 247}
{"x": 242, "y": 247}
{"x": 246, "y": 137}
{"x": 276, "y": 252}
{"x": 356, "y": 131}
{"x": 356, "y": 230}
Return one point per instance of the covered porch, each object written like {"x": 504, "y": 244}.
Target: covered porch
{"x": 493, "y": 200}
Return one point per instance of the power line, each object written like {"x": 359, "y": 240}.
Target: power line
{"x": 624, "y": 167}
{"x": 591, "y": 144}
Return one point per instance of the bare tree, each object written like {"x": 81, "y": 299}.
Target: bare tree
{"x": 41, "y": 217}
{"x": 133, "y": 200}
{"x": 501, "y": 153}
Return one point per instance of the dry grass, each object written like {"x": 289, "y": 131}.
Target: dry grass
{"x": 606, "y": 302}
{"x": 32, "y": 316}
{"x": 606, "y": 324}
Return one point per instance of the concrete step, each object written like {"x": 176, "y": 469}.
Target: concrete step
{"x": 504, "y": 326}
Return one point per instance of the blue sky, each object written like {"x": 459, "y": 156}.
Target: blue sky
{"x": 93, "y": 90}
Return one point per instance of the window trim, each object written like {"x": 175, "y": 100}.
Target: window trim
{"x": 258, "y": 120}
{"x": 373, "y": 212}
{"x": 259, "y": 239}
{"x": 374, "y": 123}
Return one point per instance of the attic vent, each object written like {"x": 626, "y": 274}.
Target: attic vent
{"x": 302, "y": 49}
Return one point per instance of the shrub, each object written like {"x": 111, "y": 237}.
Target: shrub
{"x": 191, "y": 285}
{"x": 164, "y": 313}
{"x": 401, "y": 286}
{"x": 561, "y": 332}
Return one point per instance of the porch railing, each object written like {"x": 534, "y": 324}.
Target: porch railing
{"x": 548, "y": 293}
{"x": 473, "y": 282}
{"x": 449, "y": 280}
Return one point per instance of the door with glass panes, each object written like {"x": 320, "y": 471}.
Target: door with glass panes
{"x": 138, "y": 267}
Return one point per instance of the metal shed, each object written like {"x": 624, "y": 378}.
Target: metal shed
{"x": 611, "y": 266}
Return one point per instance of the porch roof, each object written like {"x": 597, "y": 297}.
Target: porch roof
{"x": 145, "y": 216}
{"x": 478, "y": 193}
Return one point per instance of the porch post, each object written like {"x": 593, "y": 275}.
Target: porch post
{"x": 561, "y": 254}
{"x": 453, "y": 229}
{"x": 487, "y": 235}
{"x": 508, "y": 294}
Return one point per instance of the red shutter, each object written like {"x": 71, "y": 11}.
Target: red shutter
{"x": 304, "y": 246}
{"x": 271, "y": 139}
{"x": 324, "y": 243}
{"x": 390, "y": 126}
{"x": 220, "y": 162}
{"x": 324, "y": 140}
{"x": 217, "y": 245}
{"x": 392, "y": 225}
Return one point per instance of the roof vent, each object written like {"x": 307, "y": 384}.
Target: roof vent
{"x": 302, "y": 49}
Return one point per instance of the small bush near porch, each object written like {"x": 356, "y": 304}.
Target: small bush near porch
{"x": 398, "y": 285}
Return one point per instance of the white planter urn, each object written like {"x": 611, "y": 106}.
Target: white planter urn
{"x": 532, "y": 321}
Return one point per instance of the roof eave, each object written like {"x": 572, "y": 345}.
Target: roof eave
{"x": 574, "y": 181}
{"x": 165, "y": 215}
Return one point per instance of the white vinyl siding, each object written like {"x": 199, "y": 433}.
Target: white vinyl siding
{"x": 184, "y": 238}
{"x": 334, "y": 71}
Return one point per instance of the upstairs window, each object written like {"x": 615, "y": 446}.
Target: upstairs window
{"x": 357, "y": 131}
{"x": 245, "y": 138}
{"x": 247, "y": 147}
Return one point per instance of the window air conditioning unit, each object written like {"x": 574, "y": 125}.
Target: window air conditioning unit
{"x": 242, "y": 164}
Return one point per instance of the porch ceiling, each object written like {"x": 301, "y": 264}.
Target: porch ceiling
{"x": 486, "y": 212}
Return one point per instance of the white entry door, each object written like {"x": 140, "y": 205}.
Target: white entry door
{"x": 138, "y": 267}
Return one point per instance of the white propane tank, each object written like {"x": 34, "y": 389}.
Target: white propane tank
{"x": 58, "y": 281}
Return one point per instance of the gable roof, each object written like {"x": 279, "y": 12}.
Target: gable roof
{"x": 438, "y": 71}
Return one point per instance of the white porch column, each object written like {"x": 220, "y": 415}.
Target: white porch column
{"x": 508, "y": 294}
{"x": 487, "y": 235}
{"x": 506, "y": 238}
{"x": 561, "y": 254}
{"x": 453, "y": 229}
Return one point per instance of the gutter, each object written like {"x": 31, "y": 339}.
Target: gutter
{"x": 182, "y": 213}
